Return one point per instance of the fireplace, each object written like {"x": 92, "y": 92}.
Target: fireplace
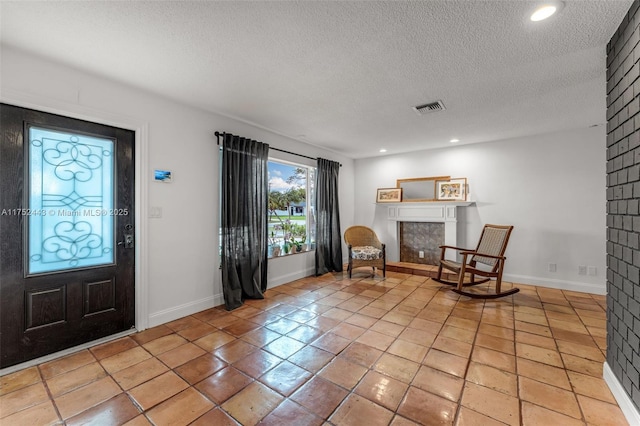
{"x": 444, "y": 214}
{"x": 420, "y": 242}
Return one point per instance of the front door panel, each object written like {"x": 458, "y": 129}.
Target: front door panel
{"x": 66, "y": 204}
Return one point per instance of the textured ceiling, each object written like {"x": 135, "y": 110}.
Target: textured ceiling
{"x": 344, "y": 74}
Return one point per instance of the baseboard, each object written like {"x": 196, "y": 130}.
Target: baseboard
{"x": 155, "y": 319}
{"x": 191, "y": 308}
{"x": 287, "y": 278}
{"x": 184, "y": 310}
{"x": 627, "y": 406}
{"x": 558, "y": 284}
{"x": 65, "y": 352}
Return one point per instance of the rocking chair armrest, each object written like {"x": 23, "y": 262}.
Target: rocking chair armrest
{"x": 444, "y": 249}
{"x": 477, "y": 253}
{"x": 453, "y": 248}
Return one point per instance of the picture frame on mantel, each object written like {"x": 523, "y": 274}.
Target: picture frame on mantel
{"x": 389, "y": 195}
{"x": 452, "y": 190}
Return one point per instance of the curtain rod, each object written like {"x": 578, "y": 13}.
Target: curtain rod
{"x": 219, "y": 135}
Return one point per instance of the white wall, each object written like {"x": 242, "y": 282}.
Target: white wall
{"x": 179, "y": 262}
{"x": 550, "y": 187}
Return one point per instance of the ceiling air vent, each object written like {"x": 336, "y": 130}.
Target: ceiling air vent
{"x": 429, "y": 108}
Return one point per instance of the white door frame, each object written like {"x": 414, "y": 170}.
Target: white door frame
{"x": 141, "y": 128}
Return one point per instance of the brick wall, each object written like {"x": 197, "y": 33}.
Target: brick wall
{"x": 623, "y": 204}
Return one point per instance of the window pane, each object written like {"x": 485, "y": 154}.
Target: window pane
{"x": 289, "y": 206}
{"x": 70, "y": 201}
{"x": 311, "y": 202}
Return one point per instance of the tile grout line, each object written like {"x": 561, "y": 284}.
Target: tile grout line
{"x": 456, "y": 310}
{"x": 53, "y": 403}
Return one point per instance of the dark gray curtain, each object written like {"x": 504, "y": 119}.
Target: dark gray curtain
{"x": 328, "y": 237}
{"x": 244, "y": 219}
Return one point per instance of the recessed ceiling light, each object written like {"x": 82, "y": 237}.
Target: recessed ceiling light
{"x": 383, "y": 150}
{"x": 454, "y": 140}
{"x": 545, "y": 10}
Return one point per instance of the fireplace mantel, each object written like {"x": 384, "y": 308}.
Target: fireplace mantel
{"x": 433, "y": 211}
{"x": 429, "y": 203}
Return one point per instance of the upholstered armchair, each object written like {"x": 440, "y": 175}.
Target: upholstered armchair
{"x": 365, "y": 249}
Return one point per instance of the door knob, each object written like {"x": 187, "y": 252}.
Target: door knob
{"x": 128, "y": 241}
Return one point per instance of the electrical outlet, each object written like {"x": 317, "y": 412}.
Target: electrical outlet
{"x": 421, "y": 254}
{"x": 592, "y": 270}
{"x": 582, "y": 270}
{"x": 155, "y": 212}
{"x": 553, "y": 267}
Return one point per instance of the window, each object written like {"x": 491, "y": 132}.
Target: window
{"x": 70, "y": 191}
{"x": 291, "y": 208}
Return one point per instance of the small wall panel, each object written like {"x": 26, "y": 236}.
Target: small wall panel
{"x": 99, "y": 297}
{"x": 45, "y": 307}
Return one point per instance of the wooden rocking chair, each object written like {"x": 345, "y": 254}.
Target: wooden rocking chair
{"x": 489, "y": 253}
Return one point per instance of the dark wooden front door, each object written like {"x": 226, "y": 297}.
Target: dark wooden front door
{"x": 66, "y": 233}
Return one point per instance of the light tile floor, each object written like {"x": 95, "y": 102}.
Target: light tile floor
{"x": 367, "y": 351}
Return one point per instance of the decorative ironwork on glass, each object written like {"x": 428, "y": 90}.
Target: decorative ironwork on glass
{"x": 71, "y": 201}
